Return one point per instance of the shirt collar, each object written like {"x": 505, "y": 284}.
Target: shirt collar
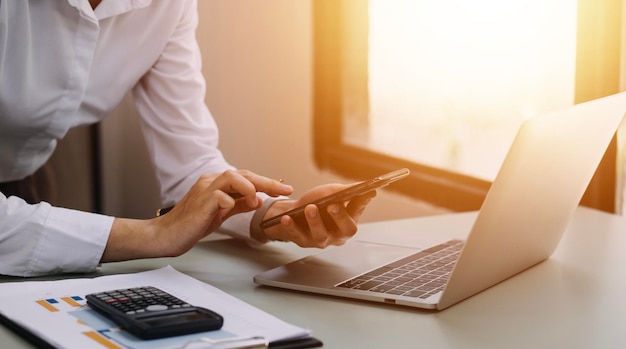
{"x": 108, "y": 8}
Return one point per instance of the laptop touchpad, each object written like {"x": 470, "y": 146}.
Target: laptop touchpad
{"x": 337, "y": 264}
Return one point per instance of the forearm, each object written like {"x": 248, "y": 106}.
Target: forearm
{"x": 132, "y": 239}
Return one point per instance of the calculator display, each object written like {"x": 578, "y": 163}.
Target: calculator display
{"x": 173, "y": 319}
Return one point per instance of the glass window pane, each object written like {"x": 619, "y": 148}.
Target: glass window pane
{"x": 449, "y": 81}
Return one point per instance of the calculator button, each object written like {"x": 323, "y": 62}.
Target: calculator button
{"x": 156, "y": 307}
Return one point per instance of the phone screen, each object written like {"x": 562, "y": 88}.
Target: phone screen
{"x": 343, "y": 195}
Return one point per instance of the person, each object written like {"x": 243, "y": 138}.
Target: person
{"x": 67, "y": 63}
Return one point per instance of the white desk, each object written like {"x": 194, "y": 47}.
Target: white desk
{"x": 576, "y": 299}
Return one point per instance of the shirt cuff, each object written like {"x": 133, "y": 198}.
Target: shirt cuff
{"x": 246, "y": 226}
{"x": 256, "y": 232}
{"x": 74, "y": 242}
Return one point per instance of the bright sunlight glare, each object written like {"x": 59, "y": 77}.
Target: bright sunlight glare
{"x": 451, "y": 80}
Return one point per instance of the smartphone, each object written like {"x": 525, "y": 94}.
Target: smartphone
{"x": 149, "y": 312}
{"x": 341, "y": 196}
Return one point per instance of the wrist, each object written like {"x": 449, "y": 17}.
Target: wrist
{"x": 270, "y": 208}
{"x": 131, "y": 239}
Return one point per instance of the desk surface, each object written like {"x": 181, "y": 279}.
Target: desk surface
{"x": 573, "y": 300}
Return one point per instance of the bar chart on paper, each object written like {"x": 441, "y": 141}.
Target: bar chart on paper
{"x": 54, "y": 305}
{"x": 74, "y": 306}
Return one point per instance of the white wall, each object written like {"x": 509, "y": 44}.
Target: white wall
{"x": 257, "y": 61}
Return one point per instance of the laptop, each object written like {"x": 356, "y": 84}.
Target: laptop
{"x": 527, "y": 209}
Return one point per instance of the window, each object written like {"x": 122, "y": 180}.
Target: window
{"x": 442, "y": 86}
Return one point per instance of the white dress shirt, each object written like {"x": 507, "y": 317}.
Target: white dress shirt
{"x": 63, "y": 65}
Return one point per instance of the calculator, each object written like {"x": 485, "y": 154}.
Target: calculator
{"x": 149, "y": 312}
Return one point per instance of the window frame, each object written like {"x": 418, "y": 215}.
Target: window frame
{"x": 599, "y": 30}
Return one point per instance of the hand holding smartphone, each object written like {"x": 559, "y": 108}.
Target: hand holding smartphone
{"x": 341, "y": 196}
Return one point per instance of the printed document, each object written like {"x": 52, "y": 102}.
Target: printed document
{"x": 56, "y": 312}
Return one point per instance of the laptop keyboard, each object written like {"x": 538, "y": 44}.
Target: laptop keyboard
{"x": 420, "y": 275}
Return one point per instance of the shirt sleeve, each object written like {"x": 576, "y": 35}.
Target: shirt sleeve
{"x": 181, "y": 134}
{"x": 41, "y": 239}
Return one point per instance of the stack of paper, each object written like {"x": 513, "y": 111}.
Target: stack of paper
{"x": 55, "y": 312}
